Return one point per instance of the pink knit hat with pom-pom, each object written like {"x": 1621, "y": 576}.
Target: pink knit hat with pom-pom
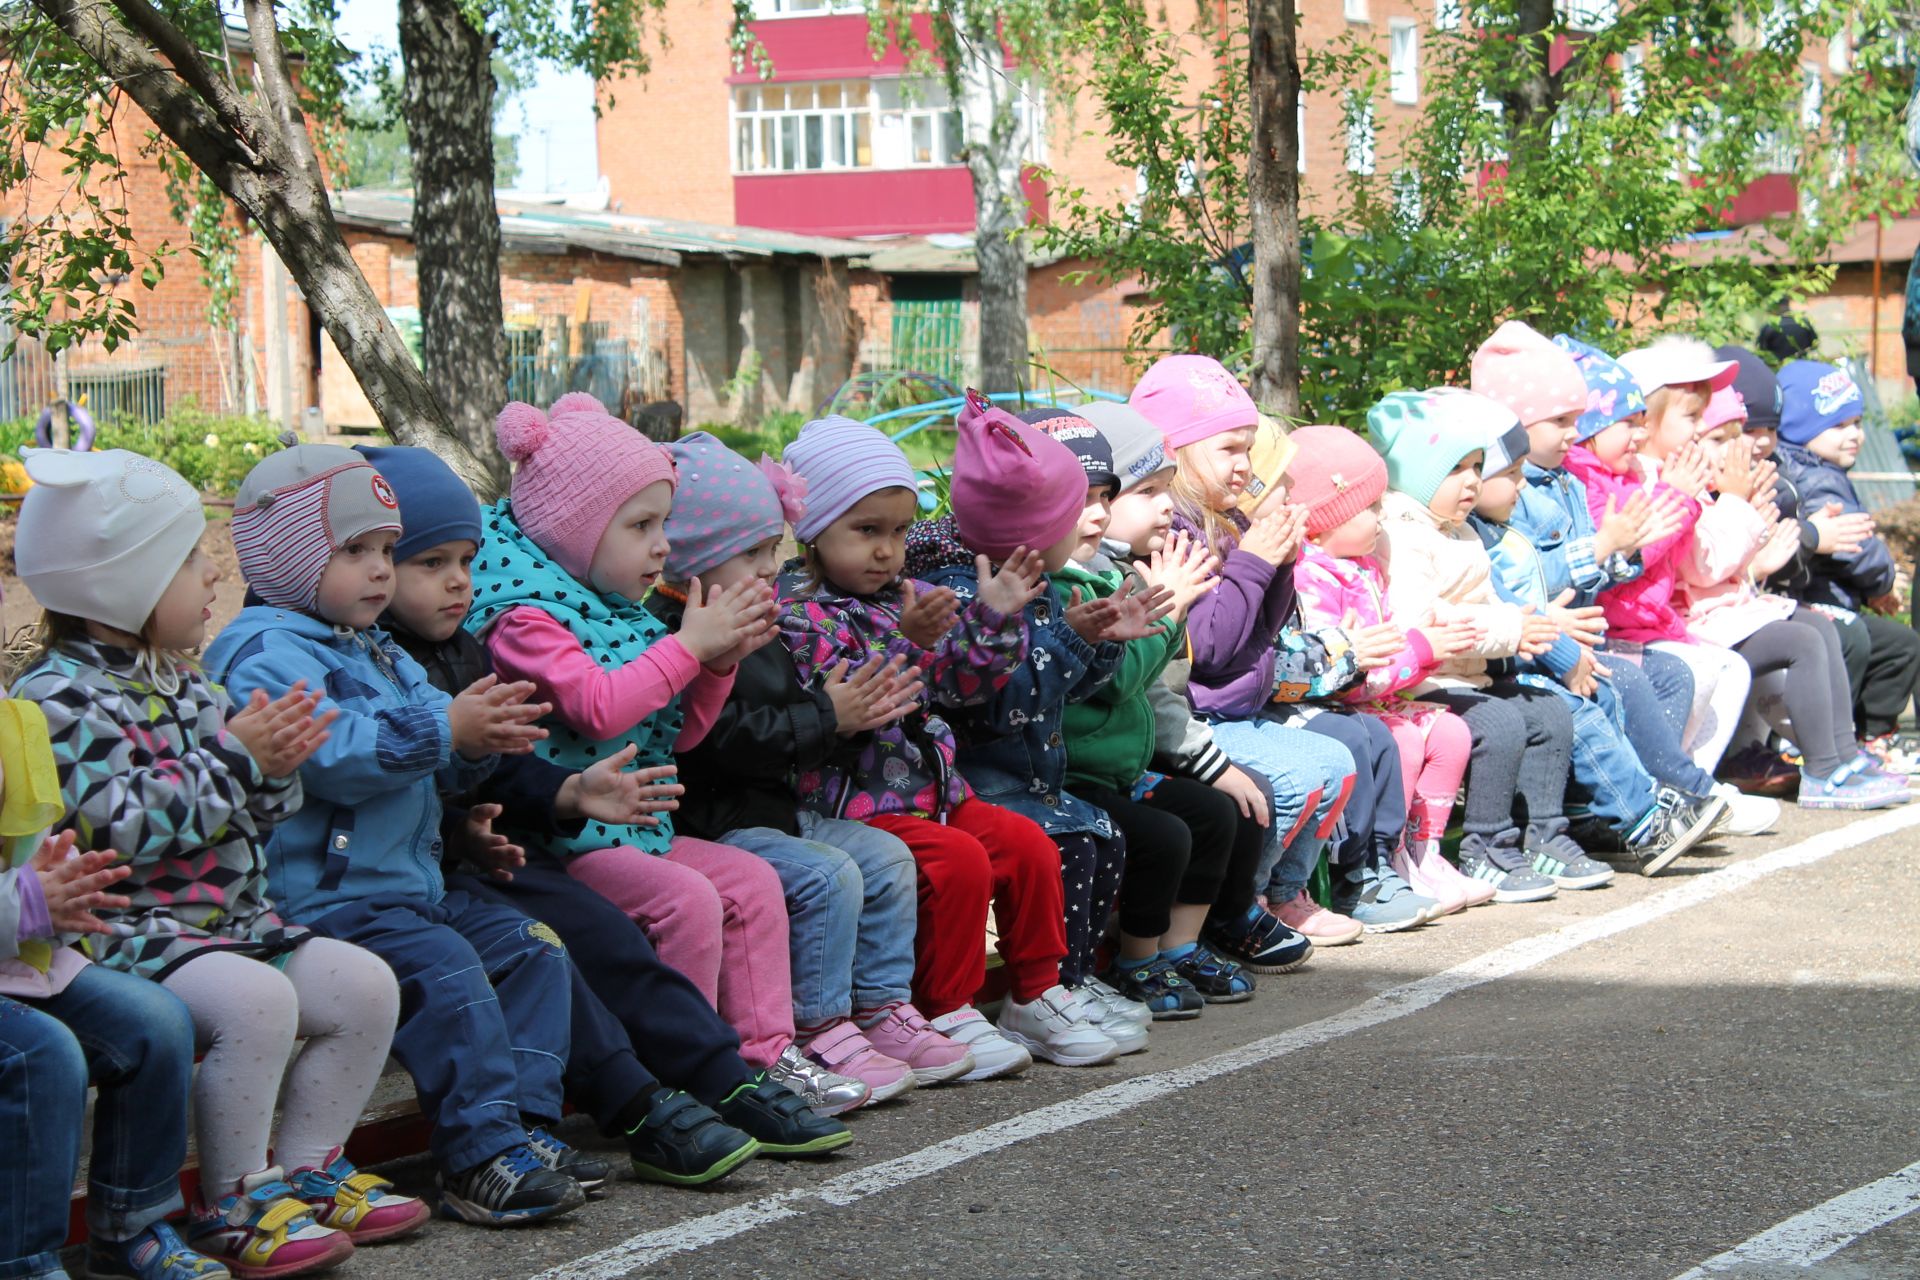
{"x": 574, "y": 465}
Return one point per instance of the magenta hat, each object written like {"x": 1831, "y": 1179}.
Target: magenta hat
{"x": 576, "y": 464}
{"x": 1013, "y": 485}
{"x": 1191, "y": 398}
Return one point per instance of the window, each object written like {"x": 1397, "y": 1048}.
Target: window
{"x": 1355, "y": 10}
{"x": 916, "y": 129}
{"x": 1812, "y": 96}
{"x": 1496, "y": 112}
{"x": 802, "y": 8}
{"x": 1839, "y": 56}
{"x": 1633, "y": 78}
{"x": 1403, "y": 61}
{"x": 786, "y": 128}
{"x": 1360, "y": 157}
{"x": 1406, "y": 198}
{"x": 1300, "y": 135}
{"x": 1446, "y": 15}
{"x": 1587, "y": 15}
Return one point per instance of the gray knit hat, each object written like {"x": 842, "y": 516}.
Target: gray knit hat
{"x": 1139, "y": 450}
{"x": 299, "y": 506}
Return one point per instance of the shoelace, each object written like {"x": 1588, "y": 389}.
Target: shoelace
{"x": 521, "y": 1160}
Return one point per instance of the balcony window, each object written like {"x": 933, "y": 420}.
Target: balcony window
{"x": 1403, "y": 61}
{"x": 789, "y": 128}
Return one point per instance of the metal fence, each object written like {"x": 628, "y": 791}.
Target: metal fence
{"x": 547, "y": 360}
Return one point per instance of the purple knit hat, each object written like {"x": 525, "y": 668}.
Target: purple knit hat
{"x": 1191, "y": 398}
{"x": 576, "y": 464}
{"x": 1013, "y": 485}
{"x": 842, "y": 461}
{"x": 723, "y": 505}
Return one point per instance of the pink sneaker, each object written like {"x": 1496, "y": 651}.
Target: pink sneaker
{"x": 1326, "y": 928}
{"x": 1432, "y": 875}
{"x": 842, "y": 1050}
{"x": 902, "y": 1034}
{"x": 1447, "y": 898}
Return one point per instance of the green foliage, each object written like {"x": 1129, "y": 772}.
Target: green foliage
{"x": 376, "y": 149}
{"x": 212, "y": 452}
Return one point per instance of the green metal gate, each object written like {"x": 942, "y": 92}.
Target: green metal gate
{"x": 927, "y": 338}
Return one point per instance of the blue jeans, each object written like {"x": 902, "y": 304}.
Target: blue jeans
{"x": 1605, "y": 767}
{"x": 135, "y": 1040}
{"x": 852, "y": 902}
{"x": 1653, "y": 695}
{"x": 485, "y": 1004}
{"x": 1312, "y": 776}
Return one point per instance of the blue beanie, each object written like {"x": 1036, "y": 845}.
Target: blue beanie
{"x": 435, "y": 504}
{"x": 1815, "y": 397}
{"x": 1612, "y": 392}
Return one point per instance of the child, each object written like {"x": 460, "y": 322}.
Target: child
{"x": 1340, "y": 481}
{"x": 850, "y": 887}
{"x": 1210, "y": 423}
{"x": 155, "y": 764}
{"x": 566, "y": 561}
{"x": 63, "y": 1021}
{"x": 851, "y": 608}
{"x": 483, "y": 990}
{"x": 1655, "y": 824}
{"x": 628, "y": 1008}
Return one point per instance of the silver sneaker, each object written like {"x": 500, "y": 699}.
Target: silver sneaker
{"x": 819, "y": 1088}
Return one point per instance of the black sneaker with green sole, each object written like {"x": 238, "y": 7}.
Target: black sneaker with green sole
{"x": 682, "y": 1142}
{"x": 780, "y": 1120}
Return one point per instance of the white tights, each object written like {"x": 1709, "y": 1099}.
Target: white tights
{"x": 1721, "y": 679}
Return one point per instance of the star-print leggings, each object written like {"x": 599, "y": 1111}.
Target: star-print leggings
{"x": 1090, "y": 867}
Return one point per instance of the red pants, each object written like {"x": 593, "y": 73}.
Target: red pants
{"x": 982, "y": 854}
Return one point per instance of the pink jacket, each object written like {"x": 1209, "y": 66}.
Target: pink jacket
{"x": 1442, "y": 572}
{"x": 1644, "y": 610}
{"x": 1330, "y": 589}
{"x": 1722, "y": 604}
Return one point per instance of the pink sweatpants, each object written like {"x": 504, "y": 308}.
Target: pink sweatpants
{"x": 1435, "y": 747}
{"x": 719, "y": 916}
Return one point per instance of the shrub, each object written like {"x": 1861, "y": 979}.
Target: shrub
{"x": 212, "y": 452}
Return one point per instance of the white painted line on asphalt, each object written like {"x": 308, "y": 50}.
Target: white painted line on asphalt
{"x": 649, "y": 1247}
{"x": 1825, "y": 1229}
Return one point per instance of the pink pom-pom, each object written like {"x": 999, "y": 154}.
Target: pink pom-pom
{"x": 576, "y": 402}
{"x": 521, "y": 429}
{"x": 791, "y": 488}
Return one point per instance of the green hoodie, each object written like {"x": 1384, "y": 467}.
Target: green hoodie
{"x": 1110, "y": 737}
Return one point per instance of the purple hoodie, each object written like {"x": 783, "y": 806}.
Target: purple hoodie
{"x": 1232, "y": 630}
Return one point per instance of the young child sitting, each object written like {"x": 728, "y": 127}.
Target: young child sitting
{"x": 850, "y": 886}
{"x": 632, "y": 1015}
{"x": 851, "y": 607}
{"x": 64, "y": 1021}
{"x": 483, "y": 990}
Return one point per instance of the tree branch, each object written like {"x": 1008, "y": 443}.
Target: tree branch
{"x": 276, "y": 86}
{"x": 220, "y": 95}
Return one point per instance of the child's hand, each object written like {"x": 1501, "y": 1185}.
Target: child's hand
{"x": 1089, "y": 618}
{"x": 282, "y": 734}
{"x": 1582, "y": 681}
{"x": 1766, "y": 482}
{"x": 1587, "y": 624}
{"x": 1450, "y": 639}
{"x": 607, "y": 791}
{"x": 1776, "y": 551}
{"x": 1687, "y": 470}
{"x": 74, "y": 884}
{"x": 1184, "y": 567}
{"x": 1375, "y": 646}
{"x": 1667, "y": 516}
{"x": 1120, "y": 617}
{"x": 1622, "y": 529}
{"x": 1841, "y": 534}
{"x": 877, "y": 694}
{"x": 1537, "y": 633}
{"x": 1737, "y": 470}
{"x": 1275, "y": 537}
{"x": 1016, "y": 582}
{"x": 725, "y": 624}
{"x": 491, "y": 718}
{"x": 926, "y": 619}
{"x": 1245, "y": 792}
{"x": 476, "y": 842}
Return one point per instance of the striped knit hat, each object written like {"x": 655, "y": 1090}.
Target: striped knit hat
{"x": 296, "y": 509}
{"x": 842, "y": 461}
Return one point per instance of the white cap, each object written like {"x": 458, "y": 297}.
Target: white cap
{"x": 102, "y": 534}
{"x": 1674, "y": 365}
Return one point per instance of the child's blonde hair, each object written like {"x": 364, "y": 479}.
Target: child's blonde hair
{"x": 1190, "y": 500}
{"x": 55, "y": 629}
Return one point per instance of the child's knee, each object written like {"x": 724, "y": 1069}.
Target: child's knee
{"x": 46, "y": 1053}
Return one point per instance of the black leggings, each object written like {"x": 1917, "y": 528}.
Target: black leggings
{"x": 1186, "y": 844}
{"x": 1820, "y": 704}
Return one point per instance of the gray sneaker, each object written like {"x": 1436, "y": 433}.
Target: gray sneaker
{"x": 1675, "y": 824}
{"x": 1501, "y": 862}
{"x": 1556, "y": 856}
{"x": 819, "y": 1088}
{"x": 1374, "y": 894}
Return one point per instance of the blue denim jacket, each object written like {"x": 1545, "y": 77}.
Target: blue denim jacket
{"x": 1553, "y": 515}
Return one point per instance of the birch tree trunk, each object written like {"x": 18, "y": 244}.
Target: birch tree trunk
{"x": 996, "y": 142}
{"x": 1273, "y": 183}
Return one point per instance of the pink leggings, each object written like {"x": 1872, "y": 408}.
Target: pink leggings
{"x": 1434, "y": 750}
{"x": 719, "y": 916}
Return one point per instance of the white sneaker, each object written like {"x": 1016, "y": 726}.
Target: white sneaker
{"x": 1099, "y": 992}
{"x": 1127, "y": 1035}
{"x": 1748, "y": 815}
{"x": 1055, "y": 1027}
{"x": 993, "y": 1054}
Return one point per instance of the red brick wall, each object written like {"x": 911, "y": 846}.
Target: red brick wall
{"x": 663, "y": 140}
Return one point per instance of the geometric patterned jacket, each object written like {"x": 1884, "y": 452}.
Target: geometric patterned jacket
{"x": 148, "y": 768}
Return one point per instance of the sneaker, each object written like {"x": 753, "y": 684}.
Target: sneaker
{"x": 157, "y": 1253}
{"x": 1848, "y": 788}
{"x": 1434, "y": 876}
{"x": 1500, "y": 862}
{"x": 842, "y": 1050}
{"x": 684, "y": 1143}
{"x": 1113, "y": 1021}
{"x": 1055, "y": 1026}
{"x": 1373, "y": 893}
{"x": 1155, "y": 983}
{"x": 1560, "y": 860}
{"x": 819, "y": 1088}
{"x": 1758, "y": 770}
{"x": 901, "y": 1033}
{"x": 510, "y": 1190}
{"x": 780, "y": 1120}
{"x": 1675, "y": 824}
{"x": 1260, "y": 941}
{"x": 1747, "y": 815}
{"x": 263, "y": 1230}
{"x": 590, "y": 1172}
{"x": 993, "y": 1054}
{"x": 1106, "y": 994}
{"x": 1318, "y": 925}
{"x": 1217, "y": 979}
{"x": 364, "y": 1205}
{"x": 1895, "y": 784}
{"x": 1894, "y": 752}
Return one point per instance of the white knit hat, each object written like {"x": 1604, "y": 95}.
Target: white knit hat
{"x": 103, "y": 533}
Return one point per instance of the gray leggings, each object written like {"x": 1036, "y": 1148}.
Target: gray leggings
{"x": 1806, "y": 648}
